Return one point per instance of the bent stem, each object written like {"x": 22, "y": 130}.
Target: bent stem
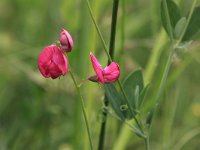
{"x": 83, "y": 108}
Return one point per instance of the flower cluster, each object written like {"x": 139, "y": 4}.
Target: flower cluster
{"x": 52, "y": 62}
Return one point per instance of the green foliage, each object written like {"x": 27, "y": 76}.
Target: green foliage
{"x": 133, "y": 86}
{"x": 179, "y": 28}
{"x": 174, "y": 14}
{"x": 194, "y": 25}
{"x": 116, "y": 100}
{"x": 44, "y": 114}
{"x": 178, "y": 23}
{"x": 134, "y": 89}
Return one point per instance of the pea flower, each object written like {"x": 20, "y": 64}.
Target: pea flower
{"x": 107, "y": 75}
{"x": 52, "y": 62}
{"x": 66, "y": 41}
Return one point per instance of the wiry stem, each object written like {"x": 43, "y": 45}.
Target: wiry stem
{"x": 110, "y": 60}
{"x": 110, "y": 57}
{"x": 173, "y": 48}
{"x": 83, "y": 108}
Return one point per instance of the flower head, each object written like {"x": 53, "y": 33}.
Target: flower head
{"x": 52, "y": 62}
{"x": 107, "y": 75}
{"x": 66, "y": 41}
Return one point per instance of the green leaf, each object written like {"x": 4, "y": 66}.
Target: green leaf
{"x": 150, "y": 116}
{"x": 180, "y": 27}
{"x": 194, "y": 25}
{"x": 142, "y": 95}
{"x": 174, "y": 14}
{"x": 116, "y": 100}
{"x": 132, "y": 85}
{"x": 137, "y": 95}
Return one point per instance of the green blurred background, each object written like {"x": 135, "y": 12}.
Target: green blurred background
{"x": 45, "y": 114}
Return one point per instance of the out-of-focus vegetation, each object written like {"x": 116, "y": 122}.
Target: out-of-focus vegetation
{"x": 44, "y": 114}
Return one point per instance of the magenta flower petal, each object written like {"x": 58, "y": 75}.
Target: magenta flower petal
{"x": 60, "y": 60}
{"x": 66, "y": 41}
{"x": 52, "y": 62}
{"x": 111, "y": 73}
{"x": 54, "y": 71}
{"x": 97, "y": 68}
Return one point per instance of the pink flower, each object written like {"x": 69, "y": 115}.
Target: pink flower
{"x": 66, "y": 41}
{"x": 52, "y": 62}
{"x": 107, "y": 75}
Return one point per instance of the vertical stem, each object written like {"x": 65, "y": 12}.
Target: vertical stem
{"x": 113, "y": 28}
{"x": 168, "y": 64}
{"x": 147, "y": 143}
{"x": 83, "y": 108}
{"x": 173, "y": 47}
{"x": 98, "y": 30}
{"x": 121, "y": 52}
{"x": 111, "y": 54}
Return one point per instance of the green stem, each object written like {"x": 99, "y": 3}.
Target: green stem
{"x": 83, "y": 108}
{"x": 146, "y": 140}
{"x": 129, "y": 106}
{"x": 168, "y": 64}
{"x": 113, "y": 29}
{"x": 174, "y": 46}
{"x": 98, "y": 31}
{"x": 110, "y": 57}
{"x": 122, "y": 33}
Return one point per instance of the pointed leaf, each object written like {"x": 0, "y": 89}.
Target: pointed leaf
{"x": 142, "y": 95}
{"x": 137, "y": 95}
{"x": 174, "y": 14}
{"x": 115, "y": 100}
{"x": 180, "y": 27}
{"x": 133, "y": 80}
{"x": 150, "y": 116}
{"x": 194, "y": 25}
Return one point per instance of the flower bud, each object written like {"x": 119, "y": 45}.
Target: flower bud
{"x": 66, "y": 41}
{"x": 109, "y": 74}
{"x": 52, "y": 62}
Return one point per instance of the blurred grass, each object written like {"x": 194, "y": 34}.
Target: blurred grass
{"x": 44, "y": 114}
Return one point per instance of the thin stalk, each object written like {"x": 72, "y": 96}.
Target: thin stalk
{"x": 146, "y": 140}
{"x": 83, "y": 108}
{"x": 110, "y": 57}
{"x": 168, "y": 64}
{"x": 103, "y": 127}
{"x": 98, "y": 30}
{"x": 173, "y": 47}
{"x": 113, "y": 29}
{"x": 122, "y": 33}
